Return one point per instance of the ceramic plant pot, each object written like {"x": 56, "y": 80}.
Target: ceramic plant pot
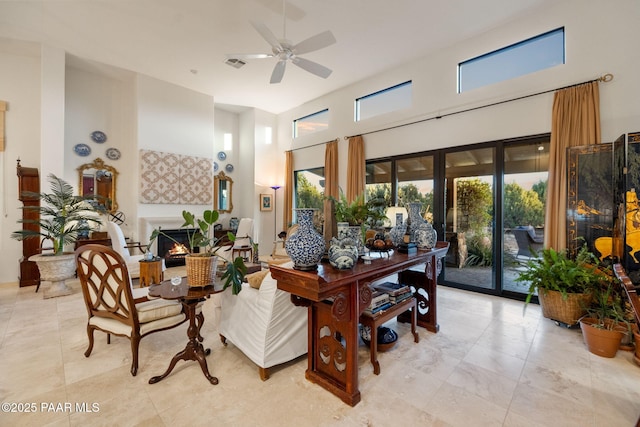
{"x": 56, "y": 269}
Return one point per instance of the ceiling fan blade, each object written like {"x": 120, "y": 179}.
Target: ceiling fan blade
{"x": 319, "y": 41}
{"x": 248, "y": 55}
{"x": 267, "y": 34}
{"x": 312, "y": 67}
{"x": 278, "y": 72}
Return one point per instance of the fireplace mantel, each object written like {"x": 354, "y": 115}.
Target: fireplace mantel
{"x": 148, "y": 224}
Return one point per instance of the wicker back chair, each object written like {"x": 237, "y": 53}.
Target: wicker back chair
{"x": 106, "y": 287}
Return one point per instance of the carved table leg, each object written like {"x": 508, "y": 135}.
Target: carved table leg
{"x": 194, "y": 349}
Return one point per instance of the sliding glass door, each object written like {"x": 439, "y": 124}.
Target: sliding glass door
{"x": 476, "y": 196}
{"x": 470, "y": 217}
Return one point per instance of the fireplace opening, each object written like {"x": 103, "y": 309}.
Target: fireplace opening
{"x": 173, "y": 246}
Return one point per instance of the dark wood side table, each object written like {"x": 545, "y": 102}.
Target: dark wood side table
{"x": 189, "y": 297}
{"x": 335, "y": 300}
{"x": 377, "y": 319}
{"x": 151, "y": 271}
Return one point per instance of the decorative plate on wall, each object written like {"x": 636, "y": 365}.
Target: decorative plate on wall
{"x": 82, "y": 150}
{"x": 113, "y": 153}
{"x": 222, "y": 155}
{"x": 215, "y": 166}
{"x": 98, "y": 136}
{"x": 229, "y": 168}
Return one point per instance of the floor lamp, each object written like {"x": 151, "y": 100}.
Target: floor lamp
{"x": 275, "y": 209}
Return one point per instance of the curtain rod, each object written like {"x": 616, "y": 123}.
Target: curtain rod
{"x": 314, "y": 145}
{"x": 605, "y": 78}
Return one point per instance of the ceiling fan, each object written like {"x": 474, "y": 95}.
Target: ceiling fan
{"x": 285, "y": 51}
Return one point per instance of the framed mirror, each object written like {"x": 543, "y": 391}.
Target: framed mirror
{"x": 222, "y": 193}
{"x": 98, "y": 180}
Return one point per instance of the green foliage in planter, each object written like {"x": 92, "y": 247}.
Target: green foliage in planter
{"x": 62, "y": 216}
{"x": 607, "y": 307}
{"x": 200, "y": 234}
{"x": 358, "y": 212}
{"x": 555, "y": 271}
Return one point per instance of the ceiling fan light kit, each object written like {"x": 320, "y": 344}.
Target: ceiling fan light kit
{"x": 284, "y": 51}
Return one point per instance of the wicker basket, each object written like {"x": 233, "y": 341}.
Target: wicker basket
{"x": 201, "y": 270}
{"x": 567, "y": 311}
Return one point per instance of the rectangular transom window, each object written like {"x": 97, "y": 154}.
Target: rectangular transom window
{"x": 310, "y": 124}
{"x": 534, "y": 54}
{"x": 384, "y": 101}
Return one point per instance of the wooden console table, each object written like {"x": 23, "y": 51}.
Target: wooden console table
{"x": 335, "y": 299}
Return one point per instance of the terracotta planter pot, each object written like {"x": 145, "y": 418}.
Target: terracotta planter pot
{"x": 601, "y": 342}
{"x": 636, "y": 338}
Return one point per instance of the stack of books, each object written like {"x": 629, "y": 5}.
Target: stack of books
{"x": 397, "y": 291}
{"x": 379, "y": 301}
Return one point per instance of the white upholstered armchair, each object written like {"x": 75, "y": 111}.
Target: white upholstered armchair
{"x": 119, "y": 244}
{"x": 263, "y": 323}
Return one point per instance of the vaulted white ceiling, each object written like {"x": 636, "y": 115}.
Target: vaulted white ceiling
{"x": 185, "y": 41}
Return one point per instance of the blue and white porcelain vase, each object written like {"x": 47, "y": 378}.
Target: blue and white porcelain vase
{"x": 426, "y": 236}
{"x": 415, "y": 220}
{"x": 306, "y": 246}
{"x": 343, "y": 253}
{"x": 397, "y": 233}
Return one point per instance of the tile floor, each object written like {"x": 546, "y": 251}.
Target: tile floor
{"x": 488, "y": 366}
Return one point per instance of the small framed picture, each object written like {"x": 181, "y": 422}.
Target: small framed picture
{"x": 266, "y": 202}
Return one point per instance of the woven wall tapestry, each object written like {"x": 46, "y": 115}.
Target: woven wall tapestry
{"x": 169, "y": 178}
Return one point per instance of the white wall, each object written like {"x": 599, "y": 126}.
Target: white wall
{"x": 172, "y": 119}
{"x": 20, "y": 87}
{"x": 229, "y": 122}
{"x": 600, "y": 39}
{"x": 99, "y": 102}
{"x": 266, "y": 176}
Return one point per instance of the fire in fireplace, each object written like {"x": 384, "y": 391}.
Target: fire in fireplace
{"x": 173, "y": 246}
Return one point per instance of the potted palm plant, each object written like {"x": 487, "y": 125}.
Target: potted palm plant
{"x": 563, "y": 284}
{"x": 202, "y": 262}
{"x": 62, "y": 217}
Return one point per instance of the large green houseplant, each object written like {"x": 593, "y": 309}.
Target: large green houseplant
{"x": 563, "y": 284}
{"x": 202, "y": 263}
{"x": 61, "y": 218}
{"x": 358, "y": 212}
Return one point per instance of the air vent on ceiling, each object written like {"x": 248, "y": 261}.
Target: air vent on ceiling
{"x": 234, "y": 62}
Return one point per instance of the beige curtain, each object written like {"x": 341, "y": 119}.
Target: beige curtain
{"x": 3, "y": 108}
{"x": 575, "y": 121}
{"x": 355, "y": 168}
{"x": 330, "y": 189}
{"x": 287, "y": 212}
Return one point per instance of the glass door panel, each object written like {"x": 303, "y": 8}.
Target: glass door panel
{"x": 526, "y": 168}
{"x": 469, "y": 221}
{"x": 415, "y": 184}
